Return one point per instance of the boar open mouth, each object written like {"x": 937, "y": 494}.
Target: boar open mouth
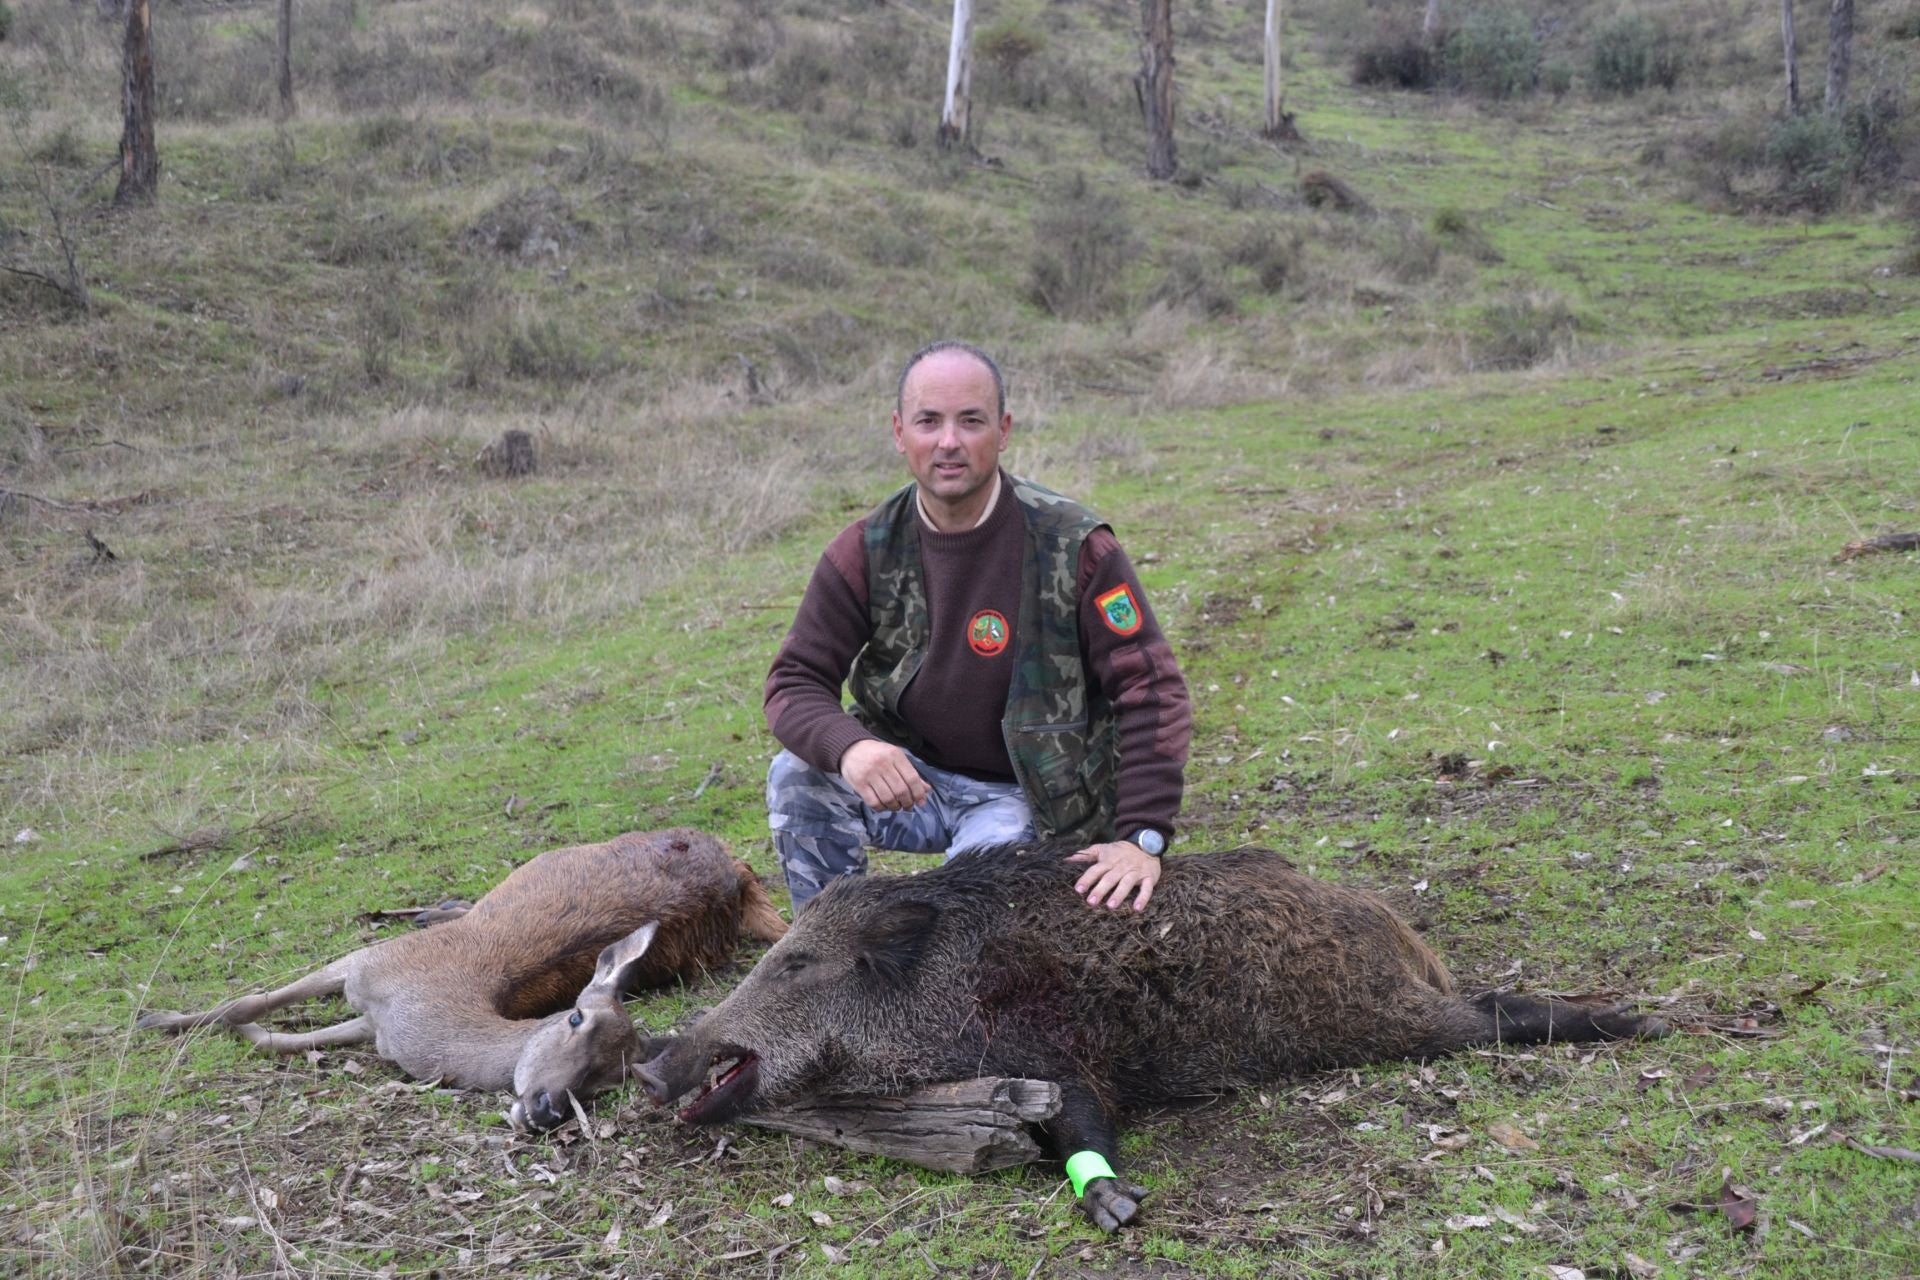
{"x": 728, "y": 1090}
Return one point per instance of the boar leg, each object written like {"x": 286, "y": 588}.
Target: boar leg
{"x": 1083, "y": 1125}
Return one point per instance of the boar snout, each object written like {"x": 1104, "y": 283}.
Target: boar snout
{"x": 652, "y": 1076}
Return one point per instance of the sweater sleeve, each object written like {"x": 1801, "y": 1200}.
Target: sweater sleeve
{"x": 803, "y": 692}
{"x": 1130, "y": 658}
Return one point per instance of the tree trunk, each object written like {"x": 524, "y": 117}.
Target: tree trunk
{"x": 1155, "y": 85}
{"x": 1430, "y": 25}
{"x": 1839, "y": 55}
{"x": 1276, "y": 123}
{"x": 1793, "y": 56}
{"x": 283, "y": 58}
{"x": 955, "y": 128}
{"x": 139, "y": 158}
{"x": 969, "y": 1126}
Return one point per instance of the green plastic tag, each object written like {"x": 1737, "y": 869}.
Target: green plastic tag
{"x": 1084, "y": 1166}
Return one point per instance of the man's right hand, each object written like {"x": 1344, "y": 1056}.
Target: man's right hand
{"x": 882, "y": 775}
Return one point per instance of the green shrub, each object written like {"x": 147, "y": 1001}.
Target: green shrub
{"x": 6, "y": 20}
{"x": 1082, "y": 241}
{"x": 1904, "y": 27}
{"x": 1398, "y": 56}
{"x": 1557, "y": 79}
{"x": 1493, "y": 54}
{"x": 1632, "y": 53}
{"x": 1273, "y": 258}
{"x": 1197, "y": 280}
{"x": 1814, "y": 157}
{"x": 1522, "y": 331}
{"x": 1007, "y": 44}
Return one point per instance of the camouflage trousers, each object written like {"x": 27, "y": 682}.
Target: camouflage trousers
{"x": 821, "y": 828}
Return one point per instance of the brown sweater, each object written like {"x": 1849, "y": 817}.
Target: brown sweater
{"x": 957, "y": 700}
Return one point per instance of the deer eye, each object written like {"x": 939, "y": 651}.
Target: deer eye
{"x": 575, "y": 1018}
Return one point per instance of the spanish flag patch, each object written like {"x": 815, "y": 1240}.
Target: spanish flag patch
{"x": 1118, "y": 610}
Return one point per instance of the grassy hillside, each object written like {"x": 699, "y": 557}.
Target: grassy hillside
{"x": 1494, "y": 523}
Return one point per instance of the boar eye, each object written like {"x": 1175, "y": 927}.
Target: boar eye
{"x": 794, "y": 966}
{"x": 576, "y": 1018}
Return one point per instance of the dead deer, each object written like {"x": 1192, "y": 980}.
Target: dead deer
{"x": 522, "y": 990}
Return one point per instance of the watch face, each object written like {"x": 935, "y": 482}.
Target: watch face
{"x": 1150, "y": 840}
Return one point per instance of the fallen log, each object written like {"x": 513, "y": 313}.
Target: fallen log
{"x": 967, "y": 1126}
{"x": 1872, "y": 546}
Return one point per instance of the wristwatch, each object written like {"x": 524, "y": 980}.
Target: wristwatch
{"x": 1149, "y": 841}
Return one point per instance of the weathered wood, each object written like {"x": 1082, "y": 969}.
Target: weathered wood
{"x": 1872, "y": 546}
{"x": 139, "y": 157}
{"x": 1154, "y": 85}
{"x": 955, "y": 125}
{"x": 1839, "y": 55}
{"x": 283, "y": 57}
{"x": 1792, "y": 56}
{"x": 966, "y": 1126}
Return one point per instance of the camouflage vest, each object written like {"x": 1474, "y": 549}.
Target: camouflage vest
{"x": 1058, "y": 728}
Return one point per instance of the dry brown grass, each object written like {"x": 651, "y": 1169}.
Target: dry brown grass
{"x": 375, "y": 541}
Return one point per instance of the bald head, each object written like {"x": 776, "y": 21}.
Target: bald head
{"x": 943, "y": 348}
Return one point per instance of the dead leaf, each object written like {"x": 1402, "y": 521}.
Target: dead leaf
{"x": 1648, "y": 1079}
{"x": 660, "y": 1216}
{"x": 1557, "y": 1271}
{"x": 835, "y": 1256}
{"x": 1467, "y": 1222}
{"x": 1510, "y": 1137}
{"x": 820, "y": 1219}
{"x": 1739, "y": 1203}
{"x": 1801, "y": 1139}
{"x": 783, "y": 1201}
{"x": 1700, "y": 1075}
{"x": 1639, "y": 1268}
{"x": 613, "y": 1235}
{"x": 1517, "y": 1222}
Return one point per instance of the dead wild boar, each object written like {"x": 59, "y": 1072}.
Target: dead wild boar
{"x": 1241, "y": 969}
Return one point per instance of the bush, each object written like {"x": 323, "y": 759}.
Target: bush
{"x": 1493, "y": 54}
{"x": 1196, "y": 280}
{"x": 6, "y": 20}
{"x": 1814, "y": 157}
{"x": 1081, "y": 243}
{"x": 1522, "y": 331}
{"x": 1007, "y": 44}
{"x": 1632, "y": 53}
{"x": 1398, "y": 56}
{"x": 1273, "y": 259}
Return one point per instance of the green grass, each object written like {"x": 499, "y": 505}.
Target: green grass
{"x": 1557, "y": 659}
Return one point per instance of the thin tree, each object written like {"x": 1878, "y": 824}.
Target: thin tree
{"x": 1276, "y": 111}
{"x": 1839, "y": 55}
{"x": 1430, "y": 25}
{"x": 954, "y": 123}
{"x": 1792, "y": 54}
{"x": 139, "y": 157}
{"x": 283, "y": 58}
{"x": 1154, "y": 85}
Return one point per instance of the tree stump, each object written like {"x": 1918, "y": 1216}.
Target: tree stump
{"x": 508, "y": 457}
{"x": 967, "y": 1126}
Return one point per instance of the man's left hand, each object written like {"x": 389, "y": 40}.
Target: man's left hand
{"x": 1118, "y": 869}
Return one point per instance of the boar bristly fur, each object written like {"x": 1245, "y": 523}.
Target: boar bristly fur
{"x": 1241, "y": 969}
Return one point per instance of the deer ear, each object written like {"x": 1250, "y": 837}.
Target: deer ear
{"x": 615, "y": 962}
{"x": 890, "y": 946}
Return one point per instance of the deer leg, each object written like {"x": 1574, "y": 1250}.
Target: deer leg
{"x": 330, "y": 981}
{"x": 441, "y": 912}
{"x": 353, "y": 1031}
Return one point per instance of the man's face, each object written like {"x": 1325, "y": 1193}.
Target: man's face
{"x": 950, "y": 427}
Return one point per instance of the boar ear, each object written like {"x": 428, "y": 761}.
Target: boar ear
{"x": 890, "y": 946}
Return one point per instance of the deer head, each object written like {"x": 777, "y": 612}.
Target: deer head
{"x": 582, "y": 1050}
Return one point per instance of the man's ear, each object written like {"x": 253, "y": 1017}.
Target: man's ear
{"x": 899, "y": 433}
{"x": 890, "y": 946}
{"x": 615, "y": 962}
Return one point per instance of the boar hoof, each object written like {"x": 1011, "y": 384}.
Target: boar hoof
{"x": 1112, "y": 1205}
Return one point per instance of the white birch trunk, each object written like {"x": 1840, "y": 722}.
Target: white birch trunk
{"x": 953, "y": 116}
